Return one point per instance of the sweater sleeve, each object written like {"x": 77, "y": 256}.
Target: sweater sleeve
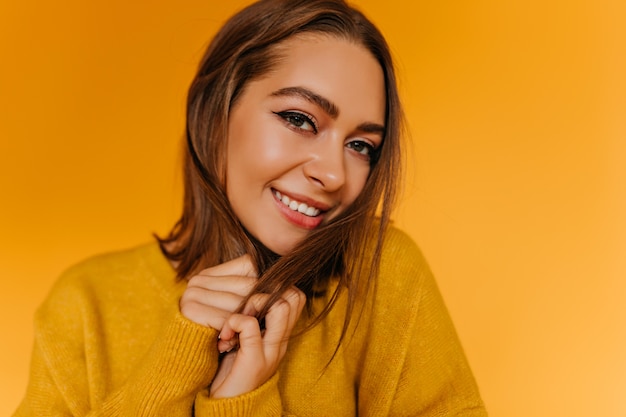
{"x": 168, "y": 382}
{"x": 418, "y": 367}
{"x": 71, "y": 372}
{"x": 265, "y": 401}
{"x": 165, "y": 382}
{"x": 434, "y": 368}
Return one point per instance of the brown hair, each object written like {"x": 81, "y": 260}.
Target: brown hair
{"x": 208, "y": 232}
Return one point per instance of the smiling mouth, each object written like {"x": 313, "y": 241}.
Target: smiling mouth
{"x": 296, "y": 205}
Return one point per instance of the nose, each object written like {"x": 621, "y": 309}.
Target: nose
{"x": 326, "y": 166}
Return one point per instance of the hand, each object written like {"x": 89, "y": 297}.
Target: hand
{"x": 217, "y": 292}
{"x": 260, "y": 352}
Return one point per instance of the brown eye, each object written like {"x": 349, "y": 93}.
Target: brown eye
{"x": 298, "y": 120}
{"x": 361, "y": 147}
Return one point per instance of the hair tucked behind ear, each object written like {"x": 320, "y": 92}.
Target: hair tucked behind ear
{"x": 208, "y": 232}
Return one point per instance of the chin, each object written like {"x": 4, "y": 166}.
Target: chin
{"x": 281, "y": 248}
{"x": 278, "y": 247}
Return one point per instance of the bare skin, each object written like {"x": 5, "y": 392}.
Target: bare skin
{"x": 300, "y": 141}
{"x": 211, "y": 299}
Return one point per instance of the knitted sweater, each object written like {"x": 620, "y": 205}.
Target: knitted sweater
{"x": 110, "y": 341}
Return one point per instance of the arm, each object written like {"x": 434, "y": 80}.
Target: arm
{"x": 161, "y": 384}
{"x": 435, "y": 369}
{"x": 414, "y": 365}
{"x": 108, "y": 342}
{"x": 246, "y": 382}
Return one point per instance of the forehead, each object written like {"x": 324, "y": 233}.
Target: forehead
{"x": 340, "y": 70}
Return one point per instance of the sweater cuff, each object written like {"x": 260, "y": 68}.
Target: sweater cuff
{"x": 182, "y": 361}
{"x": 264, "y": 401}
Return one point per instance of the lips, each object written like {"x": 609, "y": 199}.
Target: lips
{"x": 300, "y": 211}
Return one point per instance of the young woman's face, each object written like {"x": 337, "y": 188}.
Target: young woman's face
{"x": 300, "y": 139}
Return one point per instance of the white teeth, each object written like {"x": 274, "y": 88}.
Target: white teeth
{"x": 296, "y": 206}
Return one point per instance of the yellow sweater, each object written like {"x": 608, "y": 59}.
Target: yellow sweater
{"x": 110, "y": 341}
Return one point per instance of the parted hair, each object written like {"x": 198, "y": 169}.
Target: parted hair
{"x": 208, "y": 232}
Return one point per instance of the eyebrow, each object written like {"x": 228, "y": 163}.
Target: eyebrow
{"x": 372, "y": 128}
{"x": 328, "y": 106}
{"x": 325, "y": 104}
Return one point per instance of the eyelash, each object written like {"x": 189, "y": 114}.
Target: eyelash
{"x": 291, "y": 116}
{"x": 371, "y": 150}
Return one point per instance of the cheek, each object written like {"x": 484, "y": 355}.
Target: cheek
{"x": 261, "y": 145}
{"x": 357, "y": 178}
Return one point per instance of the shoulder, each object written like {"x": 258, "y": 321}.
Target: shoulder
{"x": 398, "y": 243}
{"x": 112, "y": 277}
{"x": 405, "y": 283}
{"x": 402, "y": 263}
{"x": 114, "y": 267}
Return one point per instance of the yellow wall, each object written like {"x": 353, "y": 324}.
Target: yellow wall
{"x": 517, "y": 110}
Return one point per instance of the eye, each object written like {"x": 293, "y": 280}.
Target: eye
{"x": 363, "y": 148}
{"x": 298, "y": 120}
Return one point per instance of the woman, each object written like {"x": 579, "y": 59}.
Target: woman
{"x": 280, "y": 291}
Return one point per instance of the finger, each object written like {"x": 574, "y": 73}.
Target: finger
{"x": 236, "y": 284}
{"x": 228, "y": 337}
{"x": 248, "y": 367}
{"x": 247, "y": 329}
{"x": 297, "y": 301}
{"x": 204, "y": 315}
{"x": 255, "y": 304}
{"x": 223, "y": 300}
{"x": 226, "y": 341}
{"x": 276, "y": 329}
{"x": 281, "y": 320}
{"x": 242, "y": 266}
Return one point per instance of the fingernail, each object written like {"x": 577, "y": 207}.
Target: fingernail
{"x": 224, "y": 347}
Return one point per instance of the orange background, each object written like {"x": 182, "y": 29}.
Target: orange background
{"x": 516, "y": 192}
